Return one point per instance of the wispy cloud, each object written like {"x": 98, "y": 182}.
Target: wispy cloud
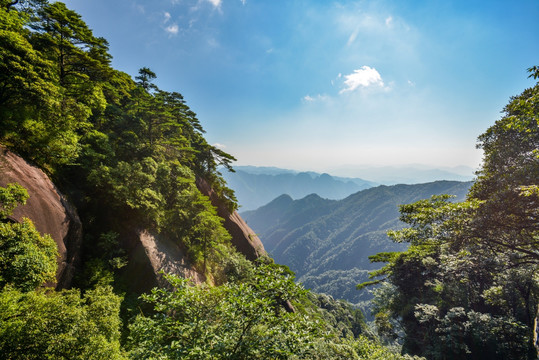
{"x": 311, "y": 99}
{"x": 172, "y": 29}
{"x": 166, "y": 17}
{"x": 353, "y": 36}
{"x": 362, "y": 78}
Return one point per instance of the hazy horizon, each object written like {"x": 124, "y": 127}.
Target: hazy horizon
{"x": 324, "y": 85}
{"x": 385, "y": 175}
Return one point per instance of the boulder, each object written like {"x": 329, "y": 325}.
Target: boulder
{"x": 244, "y": 238}
{"x": 48, "y": 209}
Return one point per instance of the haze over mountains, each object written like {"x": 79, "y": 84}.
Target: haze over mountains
{"x": 327, "y": 242}
{"x": 256, "y": 186}
{"x": 407, "y": 174}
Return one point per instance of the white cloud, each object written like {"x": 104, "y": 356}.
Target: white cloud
{"x": 389, "y": 21}
{"x": 172, "y": 29}
{"x": 364, "y": 77}
{"x": 243, "y": 1}
{"x": 215, "y": 3}
{"x": 167, "y": 17}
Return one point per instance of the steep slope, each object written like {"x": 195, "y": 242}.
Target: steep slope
{"x": 50, "y": 212}
{"x": 243, "y": 237}
{"x": 327, "y": 243}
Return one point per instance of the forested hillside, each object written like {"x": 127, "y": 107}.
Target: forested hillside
{"x": 327, "y": 243}
{"x": 132, "y": 160}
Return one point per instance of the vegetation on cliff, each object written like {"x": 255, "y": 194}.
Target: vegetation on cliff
{"x": 128, "y": 154}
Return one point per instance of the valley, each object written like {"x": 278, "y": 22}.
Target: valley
{"x": 327, "y": 242}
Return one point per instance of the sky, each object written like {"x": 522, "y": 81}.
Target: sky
{"x": 330, "y": 86}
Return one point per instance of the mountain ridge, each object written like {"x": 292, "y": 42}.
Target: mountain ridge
{"x": 315, "y": 236}
{"x": 255, "y": 187}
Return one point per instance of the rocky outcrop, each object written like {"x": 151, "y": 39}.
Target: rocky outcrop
{"x": 48, "y": 209}
{"x": 244, "y": 238}
{"x": 149, "y": 256}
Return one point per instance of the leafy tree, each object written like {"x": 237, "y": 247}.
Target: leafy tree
{"x": 66, "y": 39}
{"x": 11, "y": 196}
{"x": 508, "y": 218}
{"x": 238, "y": 320}
{"x": 60, "y": 325}
{"x": 27, "y": 259}
{"x": 145, "y": 78}
{"x": 467, "y": 287}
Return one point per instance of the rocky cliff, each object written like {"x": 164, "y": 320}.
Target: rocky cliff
{"x": 149, "y": 254}
{"x": 244, "y": 238}
{"x": 48, "y": 209}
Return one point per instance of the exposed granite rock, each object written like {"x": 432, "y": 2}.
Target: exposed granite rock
{"x": 149, "y": 254}
{"x": 48, "y": 209}
{"x": 244, "y": 238}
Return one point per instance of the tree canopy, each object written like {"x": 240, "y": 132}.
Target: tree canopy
{"x": 468, "y": 286}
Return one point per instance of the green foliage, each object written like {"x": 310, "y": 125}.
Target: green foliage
{"x": 508, "y": 217}
{"x": 467, "y": 287}
{"x": 240, "y": 320}
{"x": 27, "y": 259}
{"x": 11, "y": 196}
{"x": 340, "y": 316}
{"x": 60, "y": 325}
{"x": 371, "y": 350}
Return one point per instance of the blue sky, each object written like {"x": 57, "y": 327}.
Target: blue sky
{"x": 329, "y": 85}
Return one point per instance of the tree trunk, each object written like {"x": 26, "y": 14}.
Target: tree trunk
{"x": 536, "y": 332}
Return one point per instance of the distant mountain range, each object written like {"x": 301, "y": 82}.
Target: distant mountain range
{"x": 256, "y": 186}
{"x": 327, "y": 242}
{"x": 407, "y": 174}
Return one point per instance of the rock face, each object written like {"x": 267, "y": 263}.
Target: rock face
{"x": 244, "y": 238}
{"x": 150, "y": 254}
{"x": 50, "y": 212}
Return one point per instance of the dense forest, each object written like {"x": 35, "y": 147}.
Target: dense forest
{"x": 125, "y": 152}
